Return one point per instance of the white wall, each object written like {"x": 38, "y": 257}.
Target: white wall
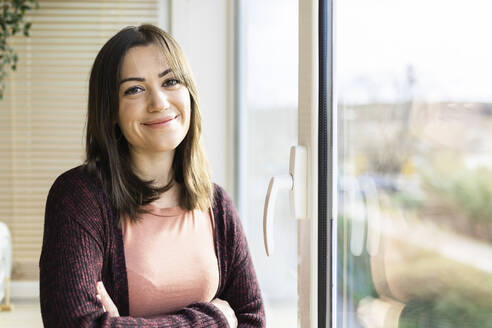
{"x": 203, "y": 28}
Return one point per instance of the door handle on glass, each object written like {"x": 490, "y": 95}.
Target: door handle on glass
{"x": 295, "y": 181}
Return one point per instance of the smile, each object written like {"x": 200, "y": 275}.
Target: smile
{"x": 161, "y": 122}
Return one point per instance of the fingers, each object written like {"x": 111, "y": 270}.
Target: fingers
{"x": 107, "y": 302}
{"x": 100, "y": 299}
{"x": 227, "y": 311}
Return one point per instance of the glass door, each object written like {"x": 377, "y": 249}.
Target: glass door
{"x": 414, "y": 237}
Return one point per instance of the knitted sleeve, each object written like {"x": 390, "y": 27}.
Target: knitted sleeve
{"x": 241, "y": 289}
{"x": 72, "y": 260}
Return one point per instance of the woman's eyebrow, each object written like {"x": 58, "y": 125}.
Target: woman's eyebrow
{"x": 167, "y": 71}
{"x": 141, "y": 79}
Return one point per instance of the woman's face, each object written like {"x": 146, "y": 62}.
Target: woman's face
{"x": 154, "y": 107}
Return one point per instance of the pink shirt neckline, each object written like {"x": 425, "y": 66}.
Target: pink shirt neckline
{"x": 170, "y": 212}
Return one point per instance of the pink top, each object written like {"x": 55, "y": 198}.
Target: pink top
{"x": 170, "y": 260}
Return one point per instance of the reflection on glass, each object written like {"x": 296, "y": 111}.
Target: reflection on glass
{"x": 415, "y": 164}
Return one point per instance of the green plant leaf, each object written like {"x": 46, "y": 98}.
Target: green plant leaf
{"x": 11, "y": 22}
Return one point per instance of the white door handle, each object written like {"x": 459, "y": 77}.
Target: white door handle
{"x": 277, "y": 183}
{"x": 295, "y": 181}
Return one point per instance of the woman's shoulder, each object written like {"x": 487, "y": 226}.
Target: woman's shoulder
{"x": 77, "y": 196}
{"x": 78, "y": 174}
{"x": 224, "y": 208}
{"x": 76, "y": 183}
{"x": 221, "y": 199}
{"x": 76, "y": 201}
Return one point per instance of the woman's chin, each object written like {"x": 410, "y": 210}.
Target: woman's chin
{"x": 165, "y": 148}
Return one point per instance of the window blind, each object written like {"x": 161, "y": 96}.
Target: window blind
{"x": 43, "y": 113}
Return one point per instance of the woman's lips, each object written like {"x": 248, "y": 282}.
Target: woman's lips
{"x": 160, "y": 122}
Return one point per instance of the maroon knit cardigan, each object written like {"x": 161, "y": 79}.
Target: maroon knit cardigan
{"x": 83, "y": 244}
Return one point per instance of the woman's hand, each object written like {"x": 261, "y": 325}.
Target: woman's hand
{"x": 110, "y": 307}
{"x": 227, "y": 311}
{"x": 106, "y": 301}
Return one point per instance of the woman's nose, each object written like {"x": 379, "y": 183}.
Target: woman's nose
{"x": 159, "y": 101}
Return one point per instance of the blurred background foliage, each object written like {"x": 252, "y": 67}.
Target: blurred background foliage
{"x": 12, "y": 21}
{"x": 430, "y": 162}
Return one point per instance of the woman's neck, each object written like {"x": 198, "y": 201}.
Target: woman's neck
{"x": 157, "y": 168}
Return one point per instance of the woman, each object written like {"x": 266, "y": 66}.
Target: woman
{"x": 139, "y": 236}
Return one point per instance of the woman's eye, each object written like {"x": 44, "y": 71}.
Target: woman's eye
{"x": 170, "y": 83}
{"x": 133, "y": 90}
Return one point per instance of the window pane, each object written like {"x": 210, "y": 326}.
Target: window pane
{"x": 415, "y": 164}
{"x": 268, "y": 124}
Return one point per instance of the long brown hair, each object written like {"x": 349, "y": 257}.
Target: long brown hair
{"x": 107, "y": 151}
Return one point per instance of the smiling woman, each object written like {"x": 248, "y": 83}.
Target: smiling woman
{"x": 154, "y": 113}
{"x": 138, "y": 235}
